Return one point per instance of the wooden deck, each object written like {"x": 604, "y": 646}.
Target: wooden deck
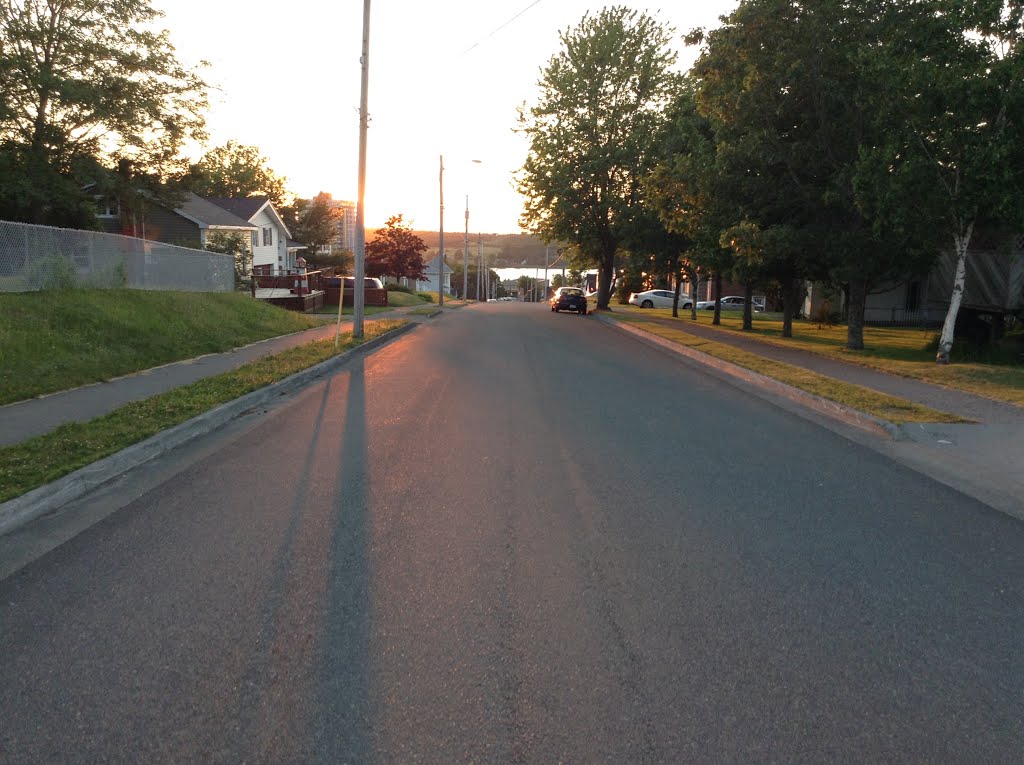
{"x": 284, "y": 297}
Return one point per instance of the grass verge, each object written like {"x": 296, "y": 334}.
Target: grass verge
{"x": 55, "y": 340}
{"x": 46, "y": 458}
{"x": 904, "y": 351}
{"x": 862, "y": 399}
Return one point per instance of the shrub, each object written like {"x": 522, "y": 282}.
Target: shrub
{"x": 392, "y": 287}
{"x": 53, "y": 273}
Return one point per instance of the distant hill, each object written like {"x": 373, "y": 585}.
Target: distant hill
{"x": 504, "y": 250}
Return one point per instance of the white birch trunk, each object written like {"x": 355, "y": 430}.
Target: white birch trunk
{"x": 960, "y": 242}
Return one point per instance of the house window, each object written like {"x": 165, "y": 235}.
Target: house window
{"x": 254, "y": 237}
{"x": 108, "y": 207}
{"x": 268, "y": 236}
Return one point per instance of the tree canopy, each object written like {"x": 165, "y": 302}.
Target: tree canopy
{"x": 600, "y": 108}
{"x": 313, "y": 222}
{"x": 84, "y": 84}
{"x": 835, "y": 141}
{"x": 237, "y": 170}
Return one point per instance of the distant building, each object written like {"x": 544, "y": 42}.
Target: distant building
{"x": 345, "y": 237}
{"x": 431, "y": 282}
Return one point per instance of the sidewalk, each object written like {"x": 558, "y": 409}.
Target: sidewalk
{"x": 984, "y": 459}
{"x": 25, "y": 419}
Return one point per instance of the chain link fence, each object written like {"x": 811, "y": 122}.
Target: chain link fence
{"x": 41, "y": 257}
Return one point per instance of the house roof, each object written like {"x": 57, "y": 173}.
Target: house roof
{"x": 431, "y": 266}
{"x": 207, "y": 215}
{"x": 248, "y": 208}
{"x": 293, "y": 245}
{"x": 243, "y": 207}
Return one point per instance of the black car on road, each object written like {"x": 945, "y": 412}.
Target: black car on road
{"x": 569, "y": 299}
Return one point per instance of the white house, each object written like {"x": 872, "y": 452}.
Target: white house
{"x": 430, "y": 283}
{"x": 272, "y": 252}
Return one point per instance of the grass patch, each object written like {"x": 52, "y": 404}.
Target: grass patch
{"x": 46, "y": 458}
{"x": 368, "y": 310}
{"x": 904, "y": 351}
{"x": 55, "y": 340}
{"x": 862, "y": 399}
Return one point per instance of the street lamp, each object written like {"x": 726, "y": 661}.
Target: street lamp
{"x": 440, "y": 254}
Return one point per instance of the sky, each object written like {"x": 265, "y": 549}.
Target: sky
{"x": 445, "y": 79}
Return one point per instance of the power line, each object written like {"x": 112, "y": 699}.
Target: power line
{"x": 492, "y": 34}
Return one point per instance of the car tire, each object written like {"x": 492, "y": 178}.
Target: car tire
{"x": 647, "y": 304}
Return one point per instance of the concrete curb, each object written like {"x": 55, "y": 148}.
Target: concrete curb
{"x": 761, "y": 384}
{"x": 21, "y": 510}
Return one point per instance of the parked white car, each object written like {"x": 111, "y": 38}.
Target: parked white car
{"x": 729, "y": 303}
{"x": 657, "y": 299}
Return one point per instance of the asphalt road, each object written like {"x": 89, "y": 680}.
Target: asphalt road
{"x": 514, "y": 536}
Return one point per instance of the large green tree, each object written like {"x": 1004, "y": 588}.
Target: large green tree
{"x": 690, "y": 193}
{"x": 313, "y": 222}
{"x": 84, "y": 84}
{"x": 601, "y": 105}
{"x": 950, "y": 93}
{"x": 237, "y": 170}
{"x": 774, "y": 83}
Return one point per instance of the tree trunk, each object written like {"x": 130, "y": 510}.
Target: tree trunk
{"x": 788, "y": 304}
{"x": 696, "y": 294}
{"x": 604, "y": 282}
{"x": 857, "y": 297}
{"x": 960, "y": 242}
{"x": 717, "y": 321}
{"x": 675, "y": 299}
{"x": 748, "y": 307}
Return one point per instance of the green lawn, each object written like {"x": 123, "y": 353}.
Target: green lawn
{"x": 46, "y": 458}
{"x": 55, "y": 340}
{"x": 997, "y": 373}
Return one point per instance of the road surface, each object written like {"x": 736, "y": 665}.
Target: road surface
{"x": 515, "y": 537}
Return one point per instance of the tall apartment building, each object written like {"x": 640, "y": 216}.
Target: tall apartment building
{"x": 346, "y": 236}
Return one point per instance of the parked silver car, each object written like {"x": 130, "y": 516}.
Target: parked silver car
{"x": 657, "y": 299}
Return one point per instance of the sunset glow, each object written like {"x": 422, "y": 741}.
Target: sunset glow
{"x": 445, "y": 79}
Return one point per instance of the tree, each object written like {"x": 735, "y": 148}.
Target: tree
{"x": 601, "y": 104}
{"x": 84, "y": 84}
{"x": 784, "y": 87}
{"x": 235, "y": 244}
{"x": 688, "y": 193}
{"x": 236, "y": 170}
{"x": 396, "y": 251}
{"x": 953, "y": 93}
{"x": 314, "y": 223}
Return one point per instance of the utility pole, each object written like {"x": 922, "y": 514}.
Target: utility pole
{"x": 440, "y": 244}
{"x": 358, "y": 296}
{"x": 465, "y": 257}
